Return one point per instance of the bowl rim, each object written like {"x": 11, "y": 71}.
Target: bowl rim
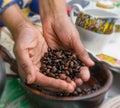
{"x": 67, "y": 98}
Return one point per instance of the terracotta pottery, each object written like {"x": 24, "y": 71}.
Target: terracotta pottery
{"x": 46, "y": 99}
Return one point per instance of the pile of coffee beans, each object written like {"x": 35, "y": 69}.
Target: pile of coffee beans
{"x": 61, "y": 64}
{"x": 65, "y": 65}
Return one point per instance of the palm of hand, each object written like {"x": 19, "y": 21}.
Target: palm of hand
{"x": 30, "y": 46}
{"x": 60, "y": 33}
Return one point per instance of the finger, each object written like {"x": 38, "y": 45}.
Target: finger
{"x": 26, "y": 64}
{"x": 35, "y": 58}
{"x": 59, "y": 89}
{"x": 35, "y": 55}
{"x": 49, "y": 82}
{"x": 21, "y": 72}
{"x": 85, "y": 74}
{"x": 81, "y": 52}
{"x": 38, "y": 52}
{"x": 78, "y": 81}
{"x": 73, "y": 84}
{"x": 53, "y": 89}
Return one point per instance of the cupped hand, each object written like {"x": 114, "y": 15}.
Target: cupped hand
{"x": 29, "y": 47}
{"x": 59, "y": 32}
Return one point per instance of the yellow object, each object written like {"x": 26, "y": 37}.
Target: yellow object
{"x": 105, "y": 4}
{"x": 26, "y": 11}
{"x": 6, "y": 2}
{"x": 107, "y": 58}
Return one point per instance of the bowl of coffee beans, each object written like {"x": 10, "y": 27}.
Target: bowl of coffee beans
{"x": 65, "y": 65}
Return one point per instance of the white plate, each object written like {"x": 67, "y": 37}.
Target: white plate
{"x": 114, "y": 67}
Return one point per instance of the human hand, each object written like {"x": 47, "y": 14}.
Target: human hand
{"x": 30, "y": 46}
{"x": 58, "y": 35}
{"x": 59, "y": 32}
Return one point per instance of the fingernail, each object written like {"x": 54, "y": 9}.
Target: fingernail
{"x": 70, "y": 89}
{"x": 29, "y": 79}
{"x": 91, "y": 61}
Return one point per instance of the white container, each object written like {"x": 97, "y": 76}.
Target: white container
{"x": 96, "y": 26}
{"x": 93, "y": 41}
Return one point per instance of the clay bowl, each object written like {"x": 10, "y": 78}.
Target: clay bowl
{"x": 47, "y": 99}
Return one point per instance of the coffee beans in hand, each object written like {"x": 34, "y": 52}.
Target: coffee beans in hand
{"x": 65, "y": 65}
{"x": 61, "y": 64}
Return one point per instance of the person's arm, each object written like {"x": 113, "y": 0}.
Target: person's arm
{"x": 4, "y": 4}
{"x": 52, "y": 8}
{"x": 14, "y": 19}
{"x": 23, "y": 33}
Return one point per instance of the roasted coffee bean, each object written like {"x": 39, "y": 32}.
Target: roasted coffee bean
{"x": 95, "y": 87}
{"x": 74, "y": 70}
{"x": 86, "y": 90}
{"x": 78, "y": 89}
{"x": 48, "y": 71}
{"x": 57, "y": 60}
{"x": 74, "y": 56}
{"x": 67, "y": 64}
{"x": 59, "y": 72}
{"x": 49, "y": 49}
{"x": 66, "y": 68}
{"x": 70, "y": 70}
{"x": 68, "y": 79}
{"x": 60, "y": 94}
{"x": 67, "y": 72}
{"x": 52, "y": 75}
{"x": 54, "y": 69}
{"x": 77, "y": 75}
{"x": 75, "y": 93}
{"x": 67, "y": 53}
{"x": 78, "y": 67}
{"x": 49, "y": 67}
{"x": 75, "y": 62}
{"x": 62, "y": 67}
{"x": 58, "y": 54}
{"x": 71, "y": 64}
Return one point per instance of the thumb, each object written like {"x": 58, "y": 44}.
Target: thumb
{"x": 26, "y": 65}
{"x": 81, "y": 51}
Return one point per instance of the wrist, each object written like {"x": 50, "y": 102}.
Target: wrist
{"x": 21, "y": 28}
{"x": 52, "y": 8}
{"x": 14, "y": 19}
